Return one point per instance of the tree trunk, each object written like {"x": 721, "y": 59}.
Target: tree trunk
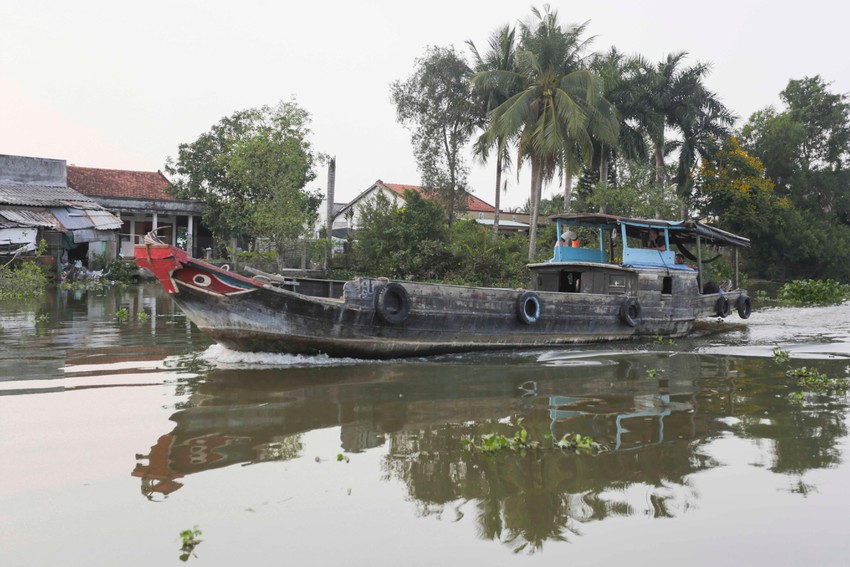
{"x": 660, "y": 175}
{"x": 498, "y": 194}
{"x": 536, "y": 186}
{"x": 603, "y": 176}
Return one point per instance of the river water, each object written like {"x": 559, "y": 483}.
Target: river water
{"x": 117, "y": 436}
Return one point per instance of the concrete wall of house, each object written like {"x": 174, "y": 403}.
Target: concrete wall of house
{"x": 34, "y": 171}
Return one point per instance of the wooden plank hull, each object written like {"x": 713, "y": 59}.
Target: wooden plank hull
{"x": 247, "y": 315}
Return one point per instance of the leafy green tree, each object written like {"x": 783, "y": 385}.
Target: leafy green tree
{"x": 409, "y": 242}
{"x": 806, "y": 147}
{"x": 251, "y": 170}
{"x": 437, "y": 105}
{"x": 826, "y": 117}
{"x": 788, "y": 243}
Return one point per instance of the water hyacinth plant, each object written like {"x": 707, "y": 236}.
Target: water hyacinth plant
{"x": 814, "y": 292}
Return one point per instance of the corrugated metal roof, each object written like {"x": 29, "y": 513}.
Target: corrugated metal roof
{"x": 26, "y": 195}
{"x": 24, "y": 217}
{"x": 104, "y": 220}
{"x": 62, "y": 219}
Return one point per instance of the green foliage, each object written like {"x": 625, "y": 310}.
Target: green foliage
{"x": 122, "y": 315}
{"x": 805, "y": 148}
{"x": 814, "y": 292}
{"x": 27, "y": 279}
{"x": 813, "y": 381}
{"x": 779, "y": 355}
{"x": 662, "y": 340}
{"x": 495, "y": 442}
{"x": 190, "y": 539}
{"x": 251, "y": 170}
{"x": 403, "y": 242}
{"x": 142, "y": 316}
{"x": 122, "y": 271}
{"x": 579, "y": 444}
{"x": 481, "y": 260}
{"x": 412, "y": 242}
{"x": 652, "y": 373}
{"x": 265, "y": 261}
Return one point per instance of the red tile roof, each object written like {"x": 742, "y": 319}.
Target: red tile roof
{"x": 474, "y": 204}
{"x": 94, "y": 182}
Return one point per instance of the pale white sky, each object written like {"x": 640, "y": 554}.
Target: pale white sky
{"x": 120, "y": 85}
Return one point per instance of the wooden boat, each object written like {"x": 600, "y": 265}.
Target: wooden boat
{"x": 610, "y": 289}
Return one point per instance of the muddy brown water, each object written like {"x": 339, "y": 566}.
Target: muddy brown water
{"x": 116, "y": 436}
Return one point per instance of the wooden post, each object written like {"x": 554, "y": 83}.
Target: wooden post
{"x": 736, "y": 268}
{"x": 699, "y": 262}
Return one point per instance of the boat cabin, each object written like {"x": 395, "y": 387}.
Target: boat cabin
{"x": 602, "y": 254}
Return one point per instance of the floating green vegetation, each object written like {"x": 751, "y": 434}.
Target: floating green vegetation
{"x": 122, "y": 315}
{"x": 496, "y": 442}
{"x": 662, "y": 340}
{"x": 143, "y": 316}
{"x": 340, "y": 457}
{"x": 797, "y": 397}
{"x": 42, "y": 320}
{"x": 575, "y": 442}
{"x": 813, "y": 381}
{"x": 779, "y": 355}
{"x": 190, "y": 542}
{"x": 651, "y": 373}
{"x": 814, "y": 292}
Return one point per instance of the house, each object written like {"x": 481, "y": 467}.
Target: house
{"x": 347, "y": 218}
{"x": 143, "y": 203}
{"x": 36, "y": 203}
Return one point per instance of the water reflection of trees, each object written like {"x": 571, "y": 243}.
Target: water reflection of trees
{"x": 659, "y": 429}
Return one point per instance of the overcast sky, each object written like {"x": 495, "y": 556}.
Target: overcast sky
{"x": 120, "y": 85}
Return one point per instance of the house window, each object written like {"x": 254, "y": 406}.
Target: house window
{"x": 480, "y": 215}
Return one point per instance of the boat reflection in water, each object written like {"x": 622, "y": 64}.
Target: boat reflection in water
{"x": 657, "y": 412}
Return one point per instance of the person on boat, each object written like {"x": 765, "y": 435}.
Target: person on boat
{"x": 574, "y": 240}
{"x": 655, "y": 242}
{"x": 680, "y": 258}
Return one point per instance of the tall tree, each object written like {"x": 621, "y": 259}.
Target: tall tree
{"x": 251, "y": 170}
{"x": 682, "y": 103}
{"x": 437, "y": 105}
{"x": 555, "y": 107}
{"x": 501, "y": 57}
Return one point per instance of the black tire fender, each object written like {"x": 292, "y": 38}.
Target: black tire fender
{"x": 392, "y": 303}
{"x": 528, "y": 307}
{"x": 744, "y": 306}
{"x": 631, "y": 311}
{"x": 721, "y": 308}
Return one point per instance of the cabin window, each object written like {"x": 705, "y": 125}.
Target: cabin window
{"x": 616, "y": 283}
{"x": 570, "y": 282}
{"x": 667, "y": 286}
{"x": 480, "y": 215}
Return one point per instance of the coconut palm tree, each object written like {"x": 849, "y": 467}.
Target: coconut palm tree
{"x": 681, "y": 101}
{"x": 557, "y": 108}
{"x": 501, "y": 57}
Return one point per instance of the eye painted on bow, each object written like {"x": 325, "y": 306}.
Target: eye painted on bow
{"x": 202, "y": 280}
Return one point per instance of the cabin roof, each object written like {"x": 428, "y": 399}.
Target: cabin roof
{"x": 683, "y": 231}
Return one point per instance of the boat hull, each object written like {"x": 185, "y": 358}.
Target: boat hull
{"x": 427, "y": 319}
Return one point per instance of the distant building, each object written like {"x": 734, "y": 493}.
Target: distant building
{"x": 36, "y": 203}
{"x": 347, "y": 218}
{"x": 141, "y": 199}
